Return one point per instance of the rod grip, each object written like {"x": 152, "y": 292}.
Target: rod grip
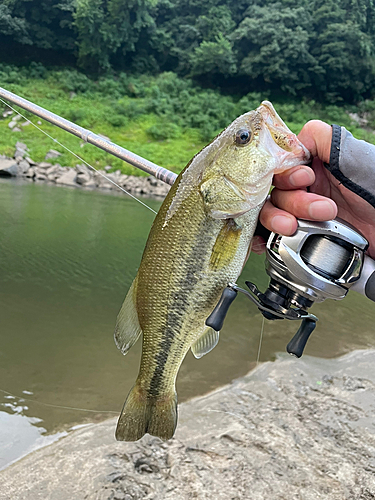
{"x": 216, "y": 319}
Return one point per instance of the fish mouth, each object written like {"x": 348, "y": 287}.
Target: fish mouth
{"x": 288, "y": 144}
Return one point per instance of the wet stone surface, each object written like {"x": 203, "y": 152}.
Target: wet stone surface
{"x": 292, "y": 429}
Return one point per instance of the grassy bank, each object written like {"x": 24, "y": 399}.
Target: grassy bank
{"x": 165, "y": 119}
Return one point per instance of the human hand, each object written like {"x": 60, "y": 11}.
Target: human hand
{"x": 327, "y": 198}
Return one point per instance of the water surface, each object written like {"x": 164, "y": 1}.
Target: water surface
{"x": 67, "y": 259}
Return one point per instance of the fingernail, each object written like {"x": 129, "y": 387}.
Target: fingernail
{"x": 302, "y": 177}
{"x": 322, "y": 210}
{"x": 282, "y": 224}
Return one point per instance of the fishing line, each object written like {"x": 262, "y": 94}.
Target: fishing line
{"x": 57, "y": 406}
{"x": 260, "y": 340}
{"x": 78, "y": 157}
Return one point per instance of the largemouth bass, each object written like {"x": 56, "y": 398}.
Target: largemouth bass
{"x": 199, "y": 242}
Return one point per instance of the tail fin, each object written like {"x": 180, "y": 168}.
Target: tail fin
{"x": 144, "y": 413}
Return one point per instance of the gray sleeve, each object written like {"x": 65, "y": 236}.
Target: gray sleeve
{"x": 352, "y": 162}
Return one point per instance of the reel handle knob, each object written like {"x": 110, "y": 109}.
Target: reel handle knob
{"x": 216, "y": 318}
{"x": 298, "y": 342}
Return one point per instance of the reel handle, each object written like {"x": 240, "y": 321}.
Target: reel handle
{"x": 298, "y": 342}
{"x": 216, "y": 319}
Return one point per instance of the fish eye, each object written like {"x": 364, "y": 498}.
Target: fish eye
{"x": 243, "y": 136}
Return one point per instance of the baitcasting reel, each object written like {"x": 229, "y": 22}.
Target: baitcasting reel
{"x": 320, "y": 261}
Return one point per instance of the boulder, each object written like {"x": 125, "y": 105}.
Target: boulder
{"x": 44, "y": 164}
{"x": 30, "y": 161}
{"x": 68, "y": 178}
{"x": 23, "y": 167}
{"x": 40, "y": 176}
{"x": 52, "y": 153}
{"x": 90, "y": 184}
{"x": 21, "y": 146}
{"x": 101, "y": 182}
{"x": 31, "y": 173}
{"x": 83, "y": 178}
{"x": 8, "y": 167}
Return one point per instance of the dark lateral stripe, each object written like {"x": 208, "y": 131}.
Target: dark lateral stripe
{"x": 193, "y": 266}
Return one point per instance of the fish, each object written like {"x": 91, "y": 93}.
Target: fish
{"x": 198, "y": 243}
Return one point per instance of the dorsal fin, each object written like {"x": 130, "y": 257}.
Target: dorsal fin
{"x": 206, "y": 342}
{"x": 127, "y": 328}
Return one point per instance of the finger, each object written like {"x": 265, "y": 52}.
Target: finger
{"x": 277, "y": 220}
{"x": 317, "y": 136}
{"x": 294, "y": 178}
{"x": 304, "y": 205}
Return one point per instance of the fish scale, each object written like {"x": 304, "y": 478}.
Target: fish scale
{"x": 198, "y": 243}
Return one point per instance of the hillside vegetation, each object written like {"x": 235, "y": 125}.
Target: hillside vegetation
{"x": 323, "y": 49}
{"x": 164, "y": 118}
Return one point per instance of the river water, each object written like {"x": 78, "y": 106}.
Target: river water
{"x": 67, "y": 258}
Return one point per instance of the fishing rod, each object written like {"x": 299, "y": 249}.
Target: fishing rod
{"x": 320, "y": 260}
{"x": 137, "y": 161}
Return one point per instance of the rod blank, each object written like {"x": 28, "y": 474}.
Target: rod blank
{"x": 86, "y": 135}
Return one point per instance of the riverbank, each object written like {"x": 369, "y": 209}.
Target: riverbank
{"x": 297, "y": 429}
{"x": 80, "y": 176}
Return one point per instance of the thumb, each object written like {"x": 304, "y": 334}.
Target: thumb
{"x": 317, "y": 136}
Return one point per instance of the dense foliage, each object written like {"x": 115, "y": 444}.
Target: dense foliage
{"x": 164, "y": 118}
{"x": 324, "y": 49}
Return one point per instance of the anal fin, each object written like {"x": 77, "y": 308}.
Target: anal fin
{"x": 206, "y": 342}
{"x": 127, "y": 328}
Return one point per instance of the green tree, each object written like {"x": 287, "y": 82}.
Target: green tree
{"x": 109, "y": 28}
{"x": 272, "y": 45}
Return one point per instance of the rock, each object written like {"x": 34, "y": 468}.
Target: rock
{"x": 17, "y": 118}
{"x": 23, "y": 167}
{"x": 21, "y": 146}
{"x": 152, "y": 181}
{"x": 107, "y": 168}
{"x": 52, "y": 153}
{"x": 101, "y": 181}
{"x": 31, "y": 173}
{"x": 16, "y": 129}
{"x": 40, "y": 176}
{"x": 81, "y": 167}
{"x": 54, "y": 169}
{"x": 83, "y": 178}
{"x": 12, "y": 124}
{"x": 68, "y": 178}
{"x": 25, "y": 124}
{"x": 8, "y": 167}
{"x": 30, "y": 161}
{"x": 44, "y": 164}
{"x": 7, "y": 113}
{"x": 90, "y": 184}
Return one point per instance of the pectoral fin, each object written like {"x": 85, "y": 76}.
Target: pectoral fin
{"x": 223, "y": 199}
{"x": 205, "y": 343}
{"x": 127, "y": 328}
{"x": 226, "y": 245}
